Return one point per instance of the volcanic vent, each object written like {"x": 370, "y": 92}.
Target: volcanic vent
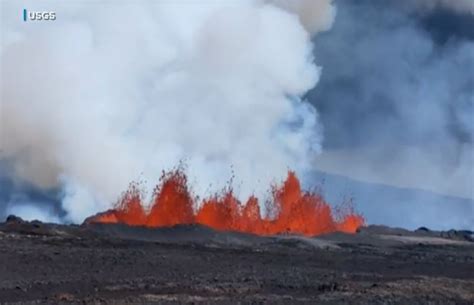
{"x": 289, "y": 210}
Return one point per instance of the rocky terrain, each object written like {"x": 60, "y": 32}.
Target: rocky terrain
{"x": 115, "y": 264}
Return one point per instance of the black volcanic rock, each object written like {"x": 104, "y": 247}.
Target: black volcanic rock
{"x": 422, "y": 229}
{"x": 14, "y": 219}
{"x": 458, "y": 235}
{"x": 43, "y": 263}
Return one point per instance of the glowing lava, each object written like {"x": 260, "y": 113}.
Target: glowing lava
{"x": 290, "y": 210}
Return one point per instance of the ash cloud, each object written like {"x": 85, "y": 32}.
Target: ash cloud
{"x": 114, "y": 92}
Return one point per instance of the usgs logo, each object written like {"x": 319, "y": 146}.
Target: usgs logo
{"x": 38, "y": 15}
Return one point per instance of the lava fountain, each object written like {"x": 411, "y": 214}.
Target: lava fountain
{"x": 289, "y": 210}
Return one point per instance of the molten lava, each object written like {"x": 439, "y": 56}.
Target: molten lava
{"x": 290, "y": 210}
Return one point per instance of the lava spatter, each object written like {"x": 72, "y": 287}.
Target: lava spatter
{"x": 289, "y": 210}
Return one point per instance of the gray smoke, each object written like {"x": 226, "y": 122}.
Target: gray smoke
{"x": 459, "y": 6}
{"x": 396, "y": 98}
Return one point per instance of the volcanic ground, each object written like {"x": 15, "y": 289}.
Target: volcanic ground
{"x": 192, "y": 264}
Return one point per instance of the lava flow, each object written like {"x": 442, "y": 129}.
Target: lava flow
{"x": 290, "y": 210}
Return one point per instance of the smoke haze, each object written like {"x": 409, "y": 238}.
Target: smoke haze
{"x": 397, "y": 95}
{"x": 396, "y": 100}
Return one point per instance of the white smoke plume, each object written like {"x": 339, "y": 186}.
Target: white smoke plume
{"x": 316, "y": 15}
{"x": 112, "y": 92}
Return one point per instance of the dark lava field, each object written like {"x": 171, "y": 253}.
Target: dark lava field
{"x": 115, "y": 264}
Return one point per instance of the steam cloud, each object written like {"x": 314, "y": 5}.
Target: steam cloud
{"x": 110, "y": 93}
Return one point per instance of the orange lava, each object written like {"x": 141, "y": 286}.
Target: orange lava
{"x": 290, "y": 210}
